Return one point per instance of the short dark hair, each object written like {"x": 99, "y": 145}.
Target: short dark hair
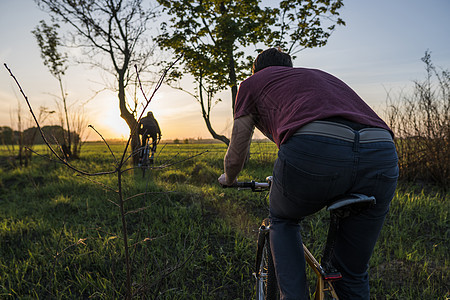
{"x": 271, "y": 57}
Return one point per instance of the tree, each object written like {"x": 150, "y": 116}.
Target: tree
{"x": 208, "y": 34}
{"x": 49, "y": 42}
{"x": 6, "y": 135}
{"x": 56, "y": 132}
{"x": 24, "y": 141}
{"x": 214, "y": 35}
{"x": 300, "y": 24}
{"x": 112, "y": 30}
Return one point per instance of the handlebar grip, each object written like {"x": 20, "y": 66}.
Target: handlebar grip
{"x": 253, "y": 185}
{"x": 246, "y": 184}
{"x": 250, "y": 184}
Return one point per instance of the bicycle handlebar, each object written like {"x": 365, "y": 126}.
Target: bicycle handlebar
{"x": 251, "y": 185}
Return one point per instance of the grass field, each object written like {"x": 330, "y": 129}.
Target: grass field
{"x": 60, "y": 234}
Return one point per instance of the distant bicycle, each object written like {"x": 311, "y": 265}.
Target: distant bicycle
{"x": 148, "y": 129}
{"x": 146, "y": 157}
{"x": 266, "y": 281}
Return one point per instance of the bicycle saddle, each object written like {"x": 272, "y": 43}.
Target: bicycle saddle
{"x": 350, "y": 199}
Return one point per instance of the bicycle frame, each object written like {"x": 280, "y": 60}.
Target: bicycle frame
{"x": 145, "y": 159}
{"x": 148, "y": 152}
{"x": 264, "y": 287}
{"x": 324, "y": 284}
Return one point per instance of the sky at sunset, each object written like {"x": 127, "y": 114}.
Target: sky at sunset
{"x": 379, "y": 50}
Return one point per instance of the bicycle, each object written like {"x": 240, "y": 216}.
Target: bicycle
{"x": 146, "y": 157}
{"x": 326, "y": 273}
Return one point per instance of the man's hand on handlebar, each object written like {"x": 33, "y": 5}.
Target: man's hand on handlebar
{"x": 224, "y": 183}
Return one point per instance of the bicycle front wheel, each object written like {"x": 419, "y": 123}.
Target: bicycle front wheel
{"x": 266, "y": 281}
{"x": 145, "y": 159}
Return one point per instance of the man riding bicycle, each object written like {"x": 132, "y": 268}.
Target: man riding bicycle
{"x": 331, "y": 143}
{"x": 149, "y": 128}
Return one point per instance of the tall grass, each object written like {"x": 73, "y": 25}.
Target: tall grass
{"x": 59, "y": 233}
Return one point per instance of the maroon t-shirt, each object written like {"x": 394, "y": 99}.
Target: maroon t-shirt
{"x": 283, "y": 99}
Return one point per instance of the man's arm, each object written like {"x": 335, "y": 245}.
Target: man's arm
{"x": 241, "y": 138}
{"x": 158, "y": 130}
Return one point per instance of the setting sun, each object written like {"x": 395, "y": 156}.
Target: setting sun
{"x": 115, "y": 127}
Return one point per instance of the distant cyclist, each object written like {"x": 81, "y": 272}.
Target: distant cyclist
{"x": 149, "y": 128}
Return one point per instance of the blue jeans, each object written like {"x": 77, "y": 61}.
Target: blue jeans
{"x": 310, "y": 171}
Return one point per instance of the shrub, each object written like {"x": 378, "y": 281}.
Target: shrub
{"x": 202, "y": 173}
{"x": 421, "y": 123}
{"x": 173, "y": 176}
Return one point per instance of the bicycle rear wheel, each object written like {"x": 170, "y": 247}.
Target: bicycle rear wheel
{"x": 145, "y": 159}
{"x": 266, "y": 281}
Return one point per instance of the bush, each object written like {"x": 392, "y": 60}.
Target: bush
{"x": 174, "y": 176}
{"x": 203, "y": 173}
{"x": 421, "y": 124}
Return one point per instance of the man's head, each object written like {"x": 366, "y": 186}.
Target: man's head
{"x": 271, "y": 57}
{"x": 149, "y": 114}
